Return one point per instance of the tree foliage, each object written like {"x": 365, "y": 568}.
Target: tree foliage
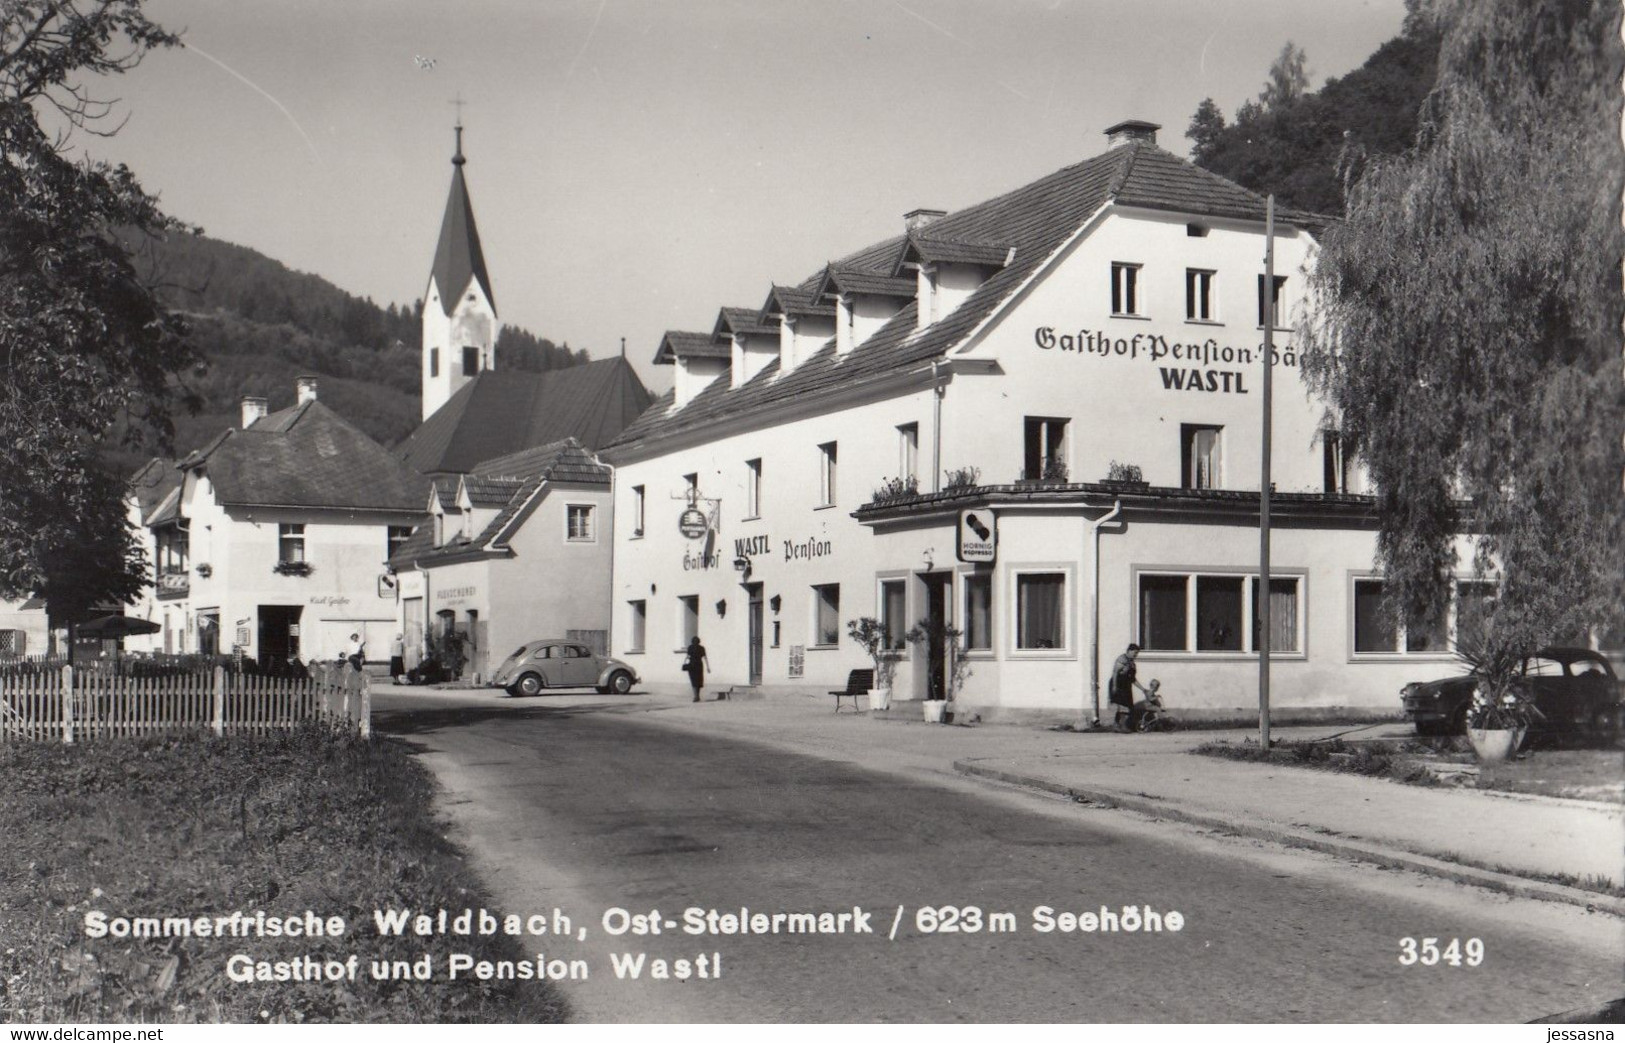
{"x": 1301, "y": 144}
{"x": 1469, "y": 334}
{"x": 84, "y": 343}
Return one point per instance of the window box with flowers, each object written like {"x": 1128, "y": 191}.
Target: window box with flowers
{"x": 293, "y": 568}
{"x": 204, "y": 569}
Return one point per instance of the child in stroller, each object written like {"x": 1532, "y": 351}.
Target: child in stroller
{"x": 1148, "y": 715}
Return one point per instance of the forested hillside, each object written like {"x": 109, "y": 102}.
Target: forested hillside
{"x": 258, "y": 324}
{"x": 1291, "y": 140}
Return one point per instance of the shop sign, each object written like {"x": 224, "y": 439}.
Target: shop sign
{"x": 1199, "y": 359}
{"x": 692, "y": 524}
{"x": 386, "y": 585}
{"x": 750, "y": 546}
{"x": 331, "y": 600}
{"x": 978, "y": 536}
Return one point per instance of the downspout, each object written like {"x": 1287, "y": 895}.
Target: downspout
{"x": 936, "y": 427}
{"x": 1094, "y": 608}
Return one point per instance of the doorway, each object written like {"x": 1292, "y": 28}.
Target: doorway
{"x": 279, "y": 634}
{"x": 753, "y": 616}
{"x": 938, "y": 590}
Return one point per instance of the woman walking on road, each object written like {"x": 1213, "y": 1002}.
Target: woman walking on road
{"x": 695, "y": 665}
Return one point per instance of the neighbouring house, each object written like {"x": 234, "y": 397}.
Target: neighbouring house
{"x": 273, "y": 539}
{"x": 514, "y": 551}
{"x": 1030, "y": 428}
{"x": 24, "y": 629}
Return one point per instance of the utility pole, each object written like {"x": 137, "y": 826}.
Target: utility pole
{"x": 1263, "y": 616}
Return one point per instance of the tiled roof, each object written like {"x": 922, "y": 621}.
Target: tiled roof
{"x": 742, "y": 320}
{"x": 307, "y": 456}
{"x": 794, "y": 300}
{"x": 678, "y": 344}
{"x": 519, "y": 477}
{"x": 845, "y": 280}
{"x": 501, "y": 412}
{"x": 490, "y": 492}
{"x": 1032, "y": 221}
{"x": 156, "y": 486}
{"x": 933, "y": 248}
{"x": 457, "y": 256}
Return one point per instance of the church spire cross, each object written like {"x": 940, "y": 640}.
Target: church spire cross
{"x": 457, "y": 159}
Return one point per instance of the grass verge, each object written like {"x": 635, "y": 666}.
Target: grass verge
{"x": 199, "y": 826}
{"x": 1380, "y": 760}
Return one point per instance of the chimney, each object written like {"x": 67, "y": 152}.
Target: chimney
{"x": 254, "y": 407}
{"x": 307, "y": 389}
{"x": 1131, "y": 130}
{"x": 915, "y": 220}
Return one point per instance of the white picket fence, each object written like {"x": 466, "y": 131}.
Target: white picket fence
{"x": 66, "y": 704}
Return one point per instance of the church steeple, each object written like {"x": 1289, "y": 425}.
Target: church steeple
{"x": 458, "y": 256}
{"x": 459, "y": 310}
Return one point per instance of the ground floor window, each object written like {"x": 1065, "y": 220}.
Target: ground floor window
{"x": 827, "y": 614}
{"x": 979, "y": 612}
{"x": 894, "y": 612}
{"x": 1378, "y": 632}
{"x": 1040, "y": 610}
{"x": 688, "y": 619}
{"x": 1207, "y": 612}
{"x": 637, "y": 622}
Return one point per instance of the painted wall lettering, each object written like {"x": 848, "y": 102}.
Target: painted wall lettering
{"x": 1153, "y": 347}
{"x": 750, "y": 546}
{"x": 813, "y": 548}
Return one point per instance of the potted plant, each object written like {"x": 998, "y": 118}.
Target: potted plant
{"x": 1125, "y": 476}
{"x": 870, "y": 633}
{"x": 1501, "y": 710}
{"x": 293, "y": 568}
{"x": 937, "y": 639}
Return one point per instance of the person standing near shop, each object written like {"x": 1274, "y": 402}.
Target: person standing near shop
{"x": 695, "y": 664}
{"x": 1122, "y": 687}
{"x": 397, "y": 658}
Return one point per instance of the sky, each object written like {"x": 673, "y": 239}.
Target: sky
{"x": 637, "y": 164}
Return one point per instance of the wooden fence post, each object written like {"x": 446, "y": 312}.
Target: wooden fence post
{"x": 220, "y": 700}
{"x": 366, "y": 706}
{"x": 67, "y": 705}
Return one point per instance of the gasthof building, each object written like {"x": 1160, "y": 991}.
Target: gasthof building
{"x": 1036, "y": 420}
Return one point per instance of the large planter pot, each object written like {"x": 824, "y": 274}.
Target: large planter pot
{"x": 880, "y": 698}
{"x": 1494, "y": 745}
{"x": 933, "y": 710}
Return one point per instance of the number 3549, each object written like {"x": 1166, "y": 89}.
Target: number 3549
{"x": 1427, "y": 952}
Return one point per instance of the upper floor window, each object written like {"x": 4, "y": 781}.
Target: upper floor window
{"x": 1044, "y": 449}
{"x": 908, "y": 451}
{"x": 753, "y": 488}
{"x": 579, "y": 522}
{"x": 1125, "y": 288}
{"x": 1334, "y": 463}
{"x": 471, "y": 361}
{"x": 637, "y": 510}
{"x": 398, "y": 535}
{"x": 290, "y": 542}
{"x": 434, "y": 362}
{"x": 1199, "y": 295}
{"x": 1200, "y": 450}
{"x": 1279, "y": 310}
{"x": 826, "y": 474}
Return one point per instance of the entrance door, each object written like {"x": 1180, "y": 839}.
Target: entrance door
{"x": 938, "y": 616}
{"x": 279, "y": 634}
{"x": 754, "y": 616}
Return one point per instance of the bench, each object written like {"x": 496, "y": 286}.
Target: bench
{"x": 858, "y": 682}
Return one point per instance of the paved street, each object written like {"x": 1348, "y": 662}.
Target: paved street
{"x": 588, "y": 803}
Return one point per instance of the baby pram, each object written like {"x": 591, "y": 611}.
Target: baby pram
{"x": 1149, "y": 715}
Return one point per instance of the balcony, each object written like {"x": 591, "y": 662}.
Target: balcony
{"x": 173, "y": 583}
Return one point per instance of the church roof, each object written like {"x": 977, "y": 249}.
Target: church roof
{"x": 458, "y": 257}
{"x": 501, "y": 412}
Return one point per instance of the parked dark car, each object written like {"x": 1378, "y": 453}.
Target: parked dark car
{"x": 1574, "y": 689}
{"x": 558, "y": 663}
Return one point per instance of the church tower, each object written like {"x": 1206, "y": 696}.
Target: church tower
{"x": 459, "y": 312}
